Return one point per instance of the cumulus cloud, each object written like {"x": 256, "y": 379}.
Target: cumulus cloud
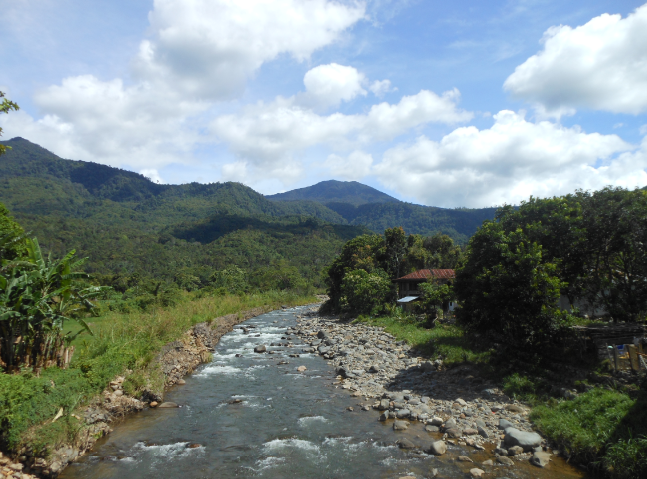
{"x": 381, "y": 87}
{"x": 354, "y": 167}
{"x": 267, "y": 135}
{"x": 601, "y": 65}
{"x": 509, "y": 162}
{"x": 328, "y": 85}
{"x": 198, "y": 52}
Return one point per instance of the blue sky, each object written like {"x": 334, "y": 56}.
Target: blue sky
{"x": 464, "y": 103}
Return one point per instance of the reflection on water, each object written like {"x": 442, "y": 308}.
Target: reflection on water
{"x": 283, "y": 424}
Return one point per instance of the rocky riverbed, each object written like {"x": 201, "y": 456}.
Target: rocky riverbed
{"x": 387, "y": 377}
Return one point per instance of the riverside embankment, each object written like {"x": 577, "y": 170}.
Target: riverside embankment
{"x": 284, "y": 412}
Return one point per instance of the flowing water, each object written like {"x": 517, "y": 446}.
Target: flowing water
{"x": 250, "y": 416}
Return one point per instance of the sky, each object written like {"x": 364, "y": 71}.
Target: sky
{"x": 469, "y": 103}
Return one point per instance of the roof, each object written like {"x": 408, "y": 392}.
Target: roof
{"x": 424, "y": 274}
{"x": 408, "y": 299}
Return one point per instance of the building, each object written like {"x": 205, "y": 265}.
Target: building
{"x": 408, "y": 286}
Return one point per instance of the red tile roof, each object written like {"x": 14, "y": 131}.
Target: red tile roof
{"x": 424, "y": 274}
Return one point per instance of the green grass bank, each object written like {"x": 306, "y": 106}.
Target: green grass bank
{"x": 28, "y": 404}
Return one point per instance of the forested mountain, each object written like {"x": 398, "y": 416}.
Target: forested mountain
{"x": 362, "y": 205}
{"x": 330, "y": 191}
{"x": 131, "y": 227}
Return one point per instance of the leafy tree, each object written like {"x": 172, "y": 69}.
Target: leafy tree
{"x": 395, "y": 250}
{"x": 5, "y": 107}
{"x": 436, "y": 296}
{"x": 363, "y": 291}
{"x": 233, "y": 279}
{"x": 508, "y": 291}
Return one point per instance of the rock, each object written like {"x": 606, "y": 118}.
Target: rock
{"x": 515, "y": 450}
{"x": 322, "y": 334}
{"x": 436, "y": 421}
{"x": 470, "y": 432}
{"x": 429, "y": 428}
{"x": 499, "y": 451}
{"x": 505, "y": 424}
{"x": 514, "y": 408}
{"x": 374, "y": 369}
{"x": 384, "y": 405}
{"x": 181, "y": 382}
{"x": 483, "y": 432}
{"x": 384, "y": 416}
{"x": 301, "y": 369}
{"x": 506, "y": 461}
{"x": 260, "y": 349}
{"x": 400, "y": 425}
{"x": 153, "y": 404}
{"x": 540, "y": 459}
{"x": 476, "y": 472}
{"x": 427, "y": 366}
{"x": 438, "y": 448}
{"x": 454, "y": 432}
{"x": 167, "y": 405}
{"x": 404, "y": 443}
{"x": 402, "y": 413}
{"x": 118, "y": 393}
{"x": 464, "y": 459}
{"x": 451, "y": 423}
{"x": 489, "y": 462}
{"x": 461, "y": 402}
{"x": 527, "y": 440}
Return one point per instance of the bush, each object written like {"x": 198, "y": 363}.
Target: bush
{"x": 362, "y": 291}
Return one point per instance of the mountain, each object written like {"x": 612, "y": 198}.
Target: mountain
{"x": 333, "y": 191}
{"x": 359, "y": 204}
{"x": 129, "y": 226}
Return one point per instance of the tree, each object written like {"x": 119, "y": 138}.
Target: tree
{"x": 5, "y": 107}
{"x": 436, "y": 296}
{"x": 363, "y": 291}
{"x": 508, "y": 291}
{"x": 396, "y": 248}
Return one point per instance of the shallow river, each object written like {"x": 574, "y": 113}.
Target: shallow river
{"x": 288, "y": 425}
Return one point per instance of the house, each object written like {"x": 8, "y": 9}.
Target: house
{"x": 408, "y": 286}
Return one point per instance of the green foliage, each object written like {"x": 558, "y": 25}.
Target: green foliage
{"x": 231, "y": 279}
{"x": 436, "y": 296}
{"x": 333, "y": 191}
{"x": 362, "y": 291}
{"x": 510, "y": 292}
{"x": 395, "y": 242}
{"x": 5, "y": 107}
{"x": 519, "y": 387}
{"x": 11, "y": 237}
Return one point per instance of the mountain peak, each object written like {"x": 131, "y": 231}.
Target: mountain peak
{"x": 334, "y": 191}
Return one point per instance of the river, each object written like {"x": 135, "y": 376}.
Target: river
{"x": 249, "y": 416}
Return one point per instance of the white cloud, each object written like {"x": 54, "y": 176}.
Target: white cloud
{"x": 199, "y": 52}
{"x": 509, "y": 162}
{"x": 381, "y": 87}
{"x": 152, "y": 174}
{"x": 354, "y": 167}
{"x": 328, "y": 85}
{"x": 601, "y": 65}
{"x": 267, "y": 135}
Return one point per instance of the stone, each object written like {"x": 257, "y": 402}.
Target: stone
{"x": 436, "y": 421}
{"x": 461, "y": 402}
{"x": 374, "y": 369}
{"x": 384, "y": 405}
{"x": 427, "y": 366}
{"x": 450, "y": 423}
{"x": 429, "y": 428}
{"x": 527, "y": 440}
{"x": 260, "y": 349}
{"x": 454, "y": 432}
{"x": 506, "y": 461}
{"x": 476, "y": 472}
{"x": 402, "y": 413}
{"x": 540, "y": 459}
{"x": 514, "y": 408}
{"x": 322, "y": 334}
{"x": 505, "y": 424}
{"x": 438, "y": 448}
{"x": 384, "y": 416}
{"x": 404, "y": 443}
{"x": 400, "y": 425}
{"x": 181, "y": 382}
{"x": 483, "y": 432}
{"x": 515, "y": 450}
{"x": 301, "y": 369}
{"x": 118, "y": 393}
{"x": 470, "y": 432}
{"x": 464, "y": 459}
{"x": 167, "y": 405}
{"x": 489, "y": 462}
{"x": 499, "y": 451}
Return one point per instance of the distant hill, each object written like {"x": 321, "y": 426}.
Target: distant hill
{"x": 359, "y": 204}
{"x": 333, "y": 191}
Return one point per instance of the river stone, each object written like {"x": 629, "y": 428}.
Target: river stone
{"x": 260, "y": 349}
{"x": 436, "y": 421}
{"x": 515, "y": 450}
{"x": 384, "y": 416}
{"x": 404, "y": 443}
{"x": 514, "y": 408}
{"x": 476, "y": 472}
{"x": 400, "y": 425}
{"x": 470, "y": 432}
{"x": 464, "y": 459}
{"x": 374, "y": 369}
{"x": 167, "y": 405}
{"x": 399, "y": 404}
{"x": 454, "y": 432}
{"x": 489, "y": 462}
{"x": 384, "y": 405}
{"x": 181, "y": 382}
{"x": 402, "y": 413}
{"x": 301, "y": 368}
{"x": 499, "y": 451}
{"x": 429, "y": 428}
{"x": 480, "y": 423}
{"x": 461, "y": 402}
{"x": 450, "y": 423}
{"x": 438, "y": 448}
{"x": 506, "y": 461}
{"x": 540, "y": 459}
{"x": 505, "y": 424}
{"x": 427, "y": 366}
{"x": 527, "y": 440}
{"x": 483, "y": 432}
{"x": 322, "y": 334}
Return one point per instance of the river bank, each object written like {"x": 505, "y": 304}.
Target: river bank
{"x": 121, "y": 397}
{"x": 385, "y": 375}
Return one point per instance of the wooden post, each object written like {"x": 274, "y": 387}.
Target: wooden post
{"x": 633, "y": 357}
{"x": 616, "y": 358}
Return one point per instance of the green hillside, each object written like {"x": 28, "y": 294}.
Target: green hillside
{"x": 350, "y": 192}
{"x": 130, "y": 227}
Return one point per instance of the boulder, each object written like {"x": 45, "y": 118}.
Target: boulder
{"x": 404, "y": 443}
{"x": 527, "y": 440}
{"x": 506, "y": 461}
{"x": 438, "y": 448}
{"x": 483, "y": 432}
{"x": 540, "y": 459}
{"x": 436, "y": 421}
{"x": 515, "y": 450}
{"x": 384, "y": 405}
{"x": 400, "y": 425}
{"x": 402, "y": 413}
{"x": 476, "y": 472}
{"x": 260, "y": 349}
{"x": 429, "y": 428}
{"x": 505, "y": 424}
{"x": 454, "y": 432}
{"x": 301, "y": 369}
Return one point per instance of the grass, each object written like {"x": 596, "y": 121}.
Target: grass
{"x": 448, "y": 341}
{"x": 121, "y": 341}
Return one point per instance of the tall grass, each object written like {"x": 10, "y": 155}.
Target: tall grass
{"x": 121, "y": 342}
